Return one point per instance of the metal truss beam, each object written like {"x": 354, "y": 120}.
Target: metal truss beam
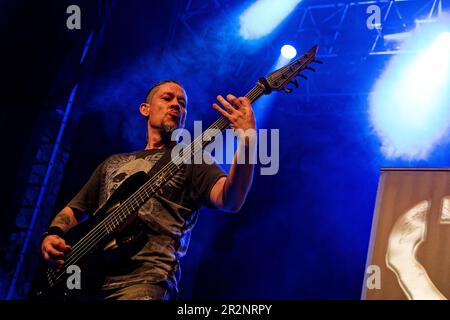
{"x": 332, "y": 24}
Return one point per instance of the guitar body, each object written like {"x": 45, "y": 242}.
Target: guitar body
{"x": 109, "y": 251}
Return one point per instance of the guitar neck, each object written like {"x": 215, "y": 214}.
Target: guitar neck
{"x": 222, "y": 123}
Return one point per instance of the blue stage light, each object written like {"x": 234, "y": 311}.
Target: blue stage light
{"x": 263, "y": 16}
{"x": 288, "y": 51}
{"x": 409, "y": 105}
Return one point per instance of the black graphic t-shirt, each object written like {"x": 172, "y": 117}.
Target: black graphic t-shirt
{"x": 168, "y": 218}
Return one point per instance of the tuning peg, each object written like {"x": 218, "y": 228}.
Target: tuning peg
{"x": 312, "y": 69}
{"x": 287, "y": 90}
{"x": 295, "y": 83}
{"x": 318, "y": 61}
{"x": 303, "y": 76}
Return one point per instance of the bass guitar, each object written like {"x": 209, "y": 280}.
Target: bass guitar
{"x": 103, "y": 236}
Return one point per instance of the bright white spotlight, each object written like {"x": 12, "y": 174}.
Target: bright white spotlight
{"x": 263, "y": 16}
{"x": 288, "y": 51}
{"x": 409, "y": 105}
{"x": 445, "y": 37}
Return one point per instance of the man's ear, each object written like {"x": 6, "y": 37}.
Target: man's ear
{"x": 144, "y": 109}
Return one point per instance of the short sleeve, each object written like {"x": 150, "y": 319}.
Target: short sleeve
{"x": 87, "y": 199}
{"x": 204, "y": 177}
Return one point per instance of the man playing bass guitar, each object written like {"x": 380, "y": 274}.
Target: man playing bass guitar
{"x": 153, "y": 271}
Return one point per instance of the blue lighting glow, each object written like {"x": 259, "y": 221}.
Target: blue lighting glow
{"x": 263, "y": 16}
{"x": 409, "y": 104}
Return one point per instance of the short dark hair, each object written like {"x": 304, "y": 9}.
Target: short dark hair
{"x": 152, "y": 90}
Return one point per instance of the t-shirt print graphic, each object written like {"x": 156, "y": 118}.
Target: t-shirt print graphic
{"x": 122, "y": 167}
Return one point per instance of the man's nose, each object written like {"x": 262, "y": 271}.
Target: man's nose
{"x": 175, "y": 106}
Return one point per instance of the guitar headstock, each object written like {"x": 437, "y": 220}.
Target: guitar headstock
{"x": 279, "y": 79}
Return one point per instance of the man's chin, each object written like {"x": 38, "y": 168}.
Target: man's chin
{"x": 169, "y": 127}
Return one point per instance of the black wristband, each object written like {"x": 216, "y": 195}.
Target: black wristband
{"x": 53, "y": 230}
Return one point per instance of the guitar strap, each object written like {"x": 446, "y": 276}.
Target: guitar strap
{"x": 136, "y": 229}
{"x": 165, "y": 159}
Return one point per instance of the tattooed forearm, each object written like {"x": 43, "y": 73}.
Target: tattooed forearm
{"x": 65, "y": 219}
{"x": 62, "y": 218}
